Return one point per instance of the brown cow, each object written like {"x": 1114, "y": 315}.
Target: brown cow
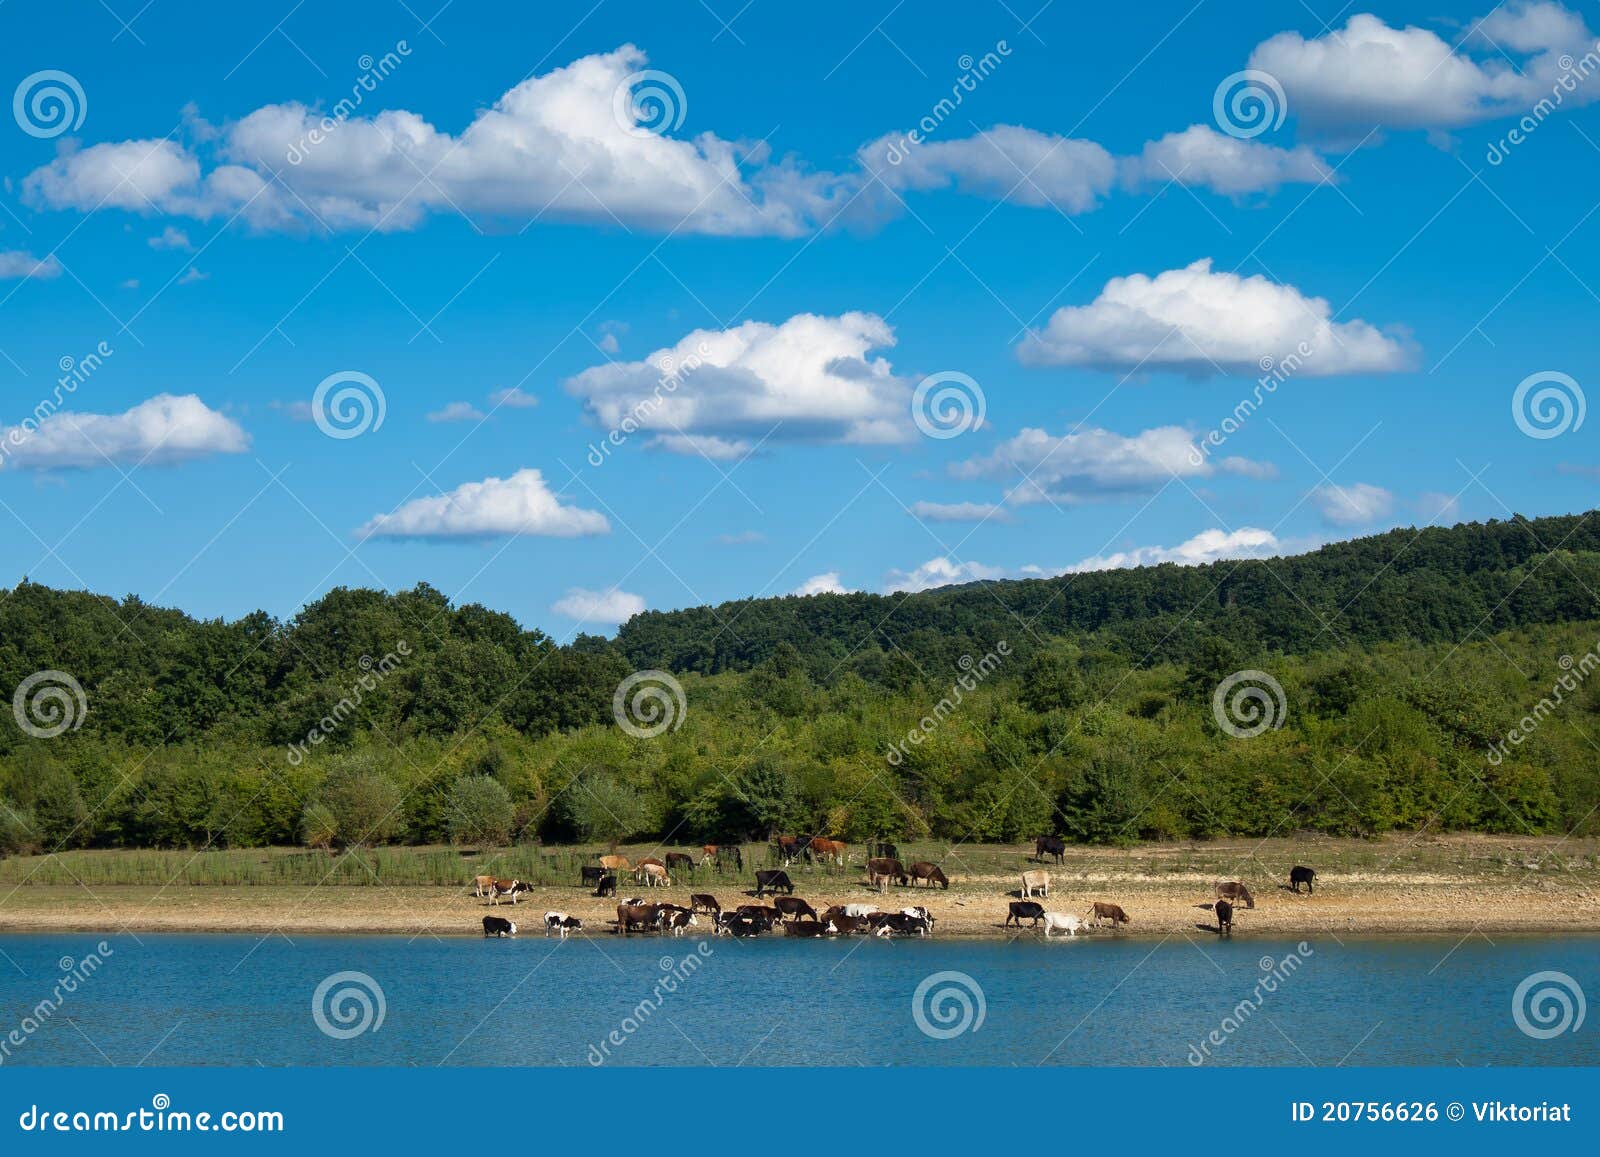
{"x": 830, "y": 850}
{"x": 1110, "y": 911}
{"x": 923, "y": 870}
{"x": 704, "y": 902}
{"x": 1035, "y": 881}
{"x": 794, "y": 907}
{"x": 512, "y": 888}
{"x": 680, "y": 861}
{"x": 881, "y": 870}
{"x": 637, "y": 915}
{"x": 848, "y": 925}
{"x": 616, "y": 863}
{"x": 808, "y": 928}
{"x": 481, "y": 885}
{"x": 1233, "y": 890}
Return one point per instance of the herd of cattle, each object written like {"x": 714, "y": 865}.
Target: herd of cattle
{"x": 796, "y": 917}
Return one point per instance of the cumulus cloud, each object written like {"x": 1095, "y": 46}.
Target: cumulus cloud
{"x": 521, "y": 504}
{"x": 1094, "y": 463}
{"x": 457, "y": 412}
{"x": 610, "y": 607}
{"x": 1207, "y": 546}
{"x": 565, "y": 145}
{"x": 960, "y": 511}
{"x": 163, "y": 431}
{"x": 1371, "y": 74}
{"x": 514, "y": 399}
{"x": 1200, "y": 323}
{"x": 1201, "y": 156}
{"x": 1360, "y": 504}
{"x": 940, "y": 572}
{"x": 718, "y": 392}
{"x": 170, "y": 238}
{"x": 16, "y": 265}
{"x": 821, "y": 584}
{"x": 1008, "y": 162}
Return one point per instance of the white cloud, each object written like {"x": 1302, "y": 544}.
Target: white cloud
{"x": 742, "y": 538}
{"x": 161, "y": 431}
{"x": 1207, "y": 546}
{"x": 821, "y": 584}
{"x": 296, "y": 411}
{"x": 940, "y": 572}
{"x": 457, "y": 412}
{"x": 1360, "y": 504}
{"x": 16, "y": 265}
{"x": 513, "y": 399}
{"x": 1438, "y": 507}
{"x": 1199, "y": 323}
{"x": 1370, "y": 73}
{"x": 961, "y": 511}
{"x": 170, "y": 238}
{"x": 1008, "y": 162}
{"x": 191, "y": 275}
{"x": 1201, "y": 156}
{"x": 1094, "y": 463}
{"x": 719, "y": 392}
{"x": 608, "y": 343}
{"x": 609, "y": 607}
{"x": 521, "y": 504}
{"x": 557, "y": 146}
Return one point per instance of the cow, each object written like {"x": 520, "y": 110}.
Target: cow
{"x": 607, "y": 886}
{"x": 616, "y": 863}
{"x": 794, "y": 907}
{"x": 1232, "y": 890}
{"x": 481, "y": 885}
{"x": 1111, "y": 912}
{"x": 591, "y": 874}
{"x": 1061, "y": 922}
{"x": 809, "y": 928}
{"x": 728, "y": 856}
{"x": 561, "y": 924}
{"x": 512, "y": 888}
{"x": 735, "y": 925}
{"x": 653, "y": 875}
{"x": 883, "y": 851}
{"x": 759, "y": 914}
{"x": 773, "y": 880}
{"x": 791, "y": 848}
{"x": 1224, "y": 911}
{"x": 704, "y": 902}
{"x": 881, "y": 869}
{"x": 905, "y": 924}
{"x": 829, "y": 850}
{"x": 1049, "y": 846}
{"x": 1301, "y": 875}
{"x": 1025, "y": 910}
{"x": 860, "y": 909}
{"x": 498, "y": 926}
{"x": 676, "y": 919}
{"x": 630, "y": 916}
{"x": 680, "y": 862}
{"x": 1035, "y": 882}
{"x": 923, "y": 870}
{"x": 919, "y": 912}
{"x": 849, "y": 925}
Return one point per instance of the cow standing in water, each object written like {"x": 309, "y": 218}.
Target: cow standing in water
{"x": 1224, "y": 911}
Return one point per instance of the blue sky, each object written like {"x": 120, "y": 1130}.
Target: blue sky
{"x": 1095, "y": 241}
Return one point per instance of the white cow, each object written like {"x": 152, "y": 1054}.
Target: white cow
{"x": 860, "y": 910}
{"x": 1062, "y": 922}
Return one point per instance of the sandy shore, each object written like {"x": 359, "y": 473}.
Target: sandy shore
{"x": 1530, "y": 887}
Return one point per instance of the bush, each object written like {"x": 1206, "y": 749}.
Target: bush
{"x": 480, "y": 811}
{"x": 363, "y": 807}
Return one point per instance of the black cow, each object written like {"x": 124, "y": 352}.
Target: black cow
{"x": 775, "y": 880}
{"x": 1050, "y": 846}
{"x": 1025, "y": 910}
{"x": 1301, "y": 875}
{"x": 704, "y": 902}
{"x": 608, "y": 885}
{"x": 680, "y": 862}
{"x": 883, "y": 852}
{"x": 498, "y": 926}
{"x": 1224, "y": 911}
{"x": 757, "y": 914}
{"x": 591, "y": 875}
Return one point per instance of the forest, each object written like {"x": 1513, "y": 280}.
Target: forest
{"x": 1435, "y": 678}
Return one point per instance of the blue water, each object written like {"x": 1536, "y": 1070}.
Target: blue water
{"x": 243, "y": 1000}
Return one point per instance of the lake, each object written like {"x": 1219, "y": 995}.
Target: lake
{"x": 243, "y": 1000}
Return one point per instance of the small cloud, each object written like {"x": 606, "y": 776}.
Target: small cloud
{"x": 171, "y": 238}
{"x": 961, "y": 511}
{"x": 821, "y": 584}
{"x": 1360, "y": 504}
{"x": 1437, "y": 506}
{"x": 131, "y": 283}
{"x": 15, "y": 265}
{"x": 513, "y": 399}
{"x": 458, "y": 412}
{"x": 940, "y": 572}
{"x": 191, "y": 275}
{"x": 608, "y": 343}
{"x": 294, "y": 411}
{"x": 609, "y": 607}
{"x": 493, "y": 508}
{"x": 1207, "y": 546}
{"x": 743, "y": 538}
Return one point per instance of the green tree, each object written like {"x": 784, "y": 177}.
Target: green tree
{"x": 479, "y": 811}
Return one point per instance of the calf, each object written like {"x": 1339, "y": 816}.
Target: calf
{"x": 809, "y": 928}
{"x": 1301, "y": 875}
{"x": 1108, "y": 911}
{"x": 794, "y": 907}
{"x": 882, "y": 869}
{"x": 653, "y": 875}
{"x": 1035, "y": 882}
{"x": 1224, "y": 911}
{"x": 922, "y": 870}
{"x": 498, "y": 926}
{"x": 1232, "y": 890}
{"x": 704, "y": 902}
{"x": 608, "y": 886}
{"x": 1025, "y": 910}
{"x": 775, "y": 880}
{"x": 1061, "y": 922}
